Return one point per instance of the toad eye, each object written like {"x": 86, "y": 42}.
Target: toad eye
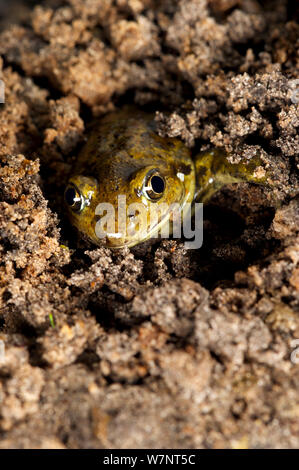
{"x": 73, "y": 198}
{"x": 154, "y": 185}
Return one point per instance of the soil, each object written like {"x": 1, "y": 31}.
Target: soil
{"x": 157, "y": 346}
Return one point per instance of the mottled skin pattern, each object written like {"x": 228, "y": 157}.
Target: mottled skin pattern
{"x": 121, "y": 151}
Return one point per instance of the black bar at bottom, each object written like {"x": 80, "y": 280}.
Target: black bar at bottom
{"x": 136, "y": 458}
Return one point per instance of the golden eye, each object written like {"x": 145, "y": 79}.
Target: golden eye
{"x": 73, "y": 198}
{"x": 154, "y": 185}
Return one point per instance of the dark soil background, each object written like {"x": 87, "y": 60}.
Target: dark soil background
{"x": 158, "y": 346}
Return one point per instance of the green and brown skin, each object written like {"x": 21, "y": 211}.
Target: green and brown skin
{"x": 123, "y": 149}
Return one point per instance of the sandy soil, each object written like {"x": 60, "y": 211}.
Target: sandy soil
{"x": 157, "y": 346}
